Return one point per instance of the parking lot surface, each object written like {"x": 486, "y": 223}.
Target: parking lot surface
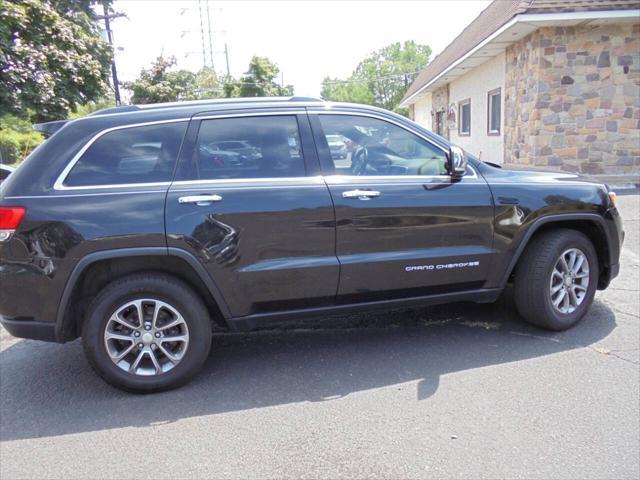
{"x": 456, "y": 391}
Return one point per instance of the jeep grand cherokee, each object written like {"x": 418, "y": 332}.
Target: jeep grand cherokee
{"x": 127, "y": 229}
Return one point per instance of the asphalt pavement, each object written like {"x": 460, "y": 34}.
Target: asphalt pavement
{"x": 456, "y": 391}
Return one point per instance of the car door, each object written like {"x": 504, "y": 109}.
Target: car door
{"x": 404, "y": 227}
{"x": 261, "y": 222}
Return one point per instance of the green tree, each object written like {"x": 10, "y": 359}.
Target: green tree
{"x": 346, "y": 91}
{"x": 260, "y": 80}
{"x": 51, "y": 57}
{"x": 161, "y": 84}
{"x": 382, "y": 78}
{"x": 207, "y": 84}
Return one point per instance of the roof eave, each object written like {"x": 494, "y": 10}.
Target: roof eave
{"x": 533, "y": 19}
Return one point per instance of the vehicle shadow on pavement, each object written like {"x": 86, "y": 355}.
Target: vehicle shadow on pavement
{"x": 49, "y": 389}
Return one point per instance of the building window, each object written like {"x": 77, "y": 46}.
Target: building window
{"x": 493, "y": 112}
{"x": 464, "y": 114}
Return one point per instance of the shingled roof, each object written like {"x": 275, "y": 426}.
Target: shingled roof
{"x": 497, "y": 14}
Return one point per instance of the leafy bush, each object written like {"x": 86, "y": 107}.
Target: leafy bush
{"x": 90, "y": 107}
{"x": 9, "y": 146}
{"x": 17, "y": 139}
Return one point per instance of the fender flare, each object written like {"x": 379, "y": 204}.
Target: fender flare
{"x": 94, "y": 257}
{"x": 539, "y": 222}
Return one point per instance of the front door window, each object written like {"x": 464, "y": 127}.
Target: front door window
{"x": 366, "y": 146}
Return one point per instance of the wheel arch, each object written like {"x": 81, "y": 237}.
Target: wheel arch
{"x": 592, "y": 225}
{"x": 95, "y": 270}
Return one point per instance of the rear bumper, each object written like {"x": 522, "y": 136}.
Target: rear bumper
{"x": 30, "y": 329}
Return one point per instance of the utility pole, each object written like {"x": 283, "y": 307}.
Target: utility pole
{"x": 107, "y": 25}
{"x": 226, "y": 56}
{"x": 209, "y": 28}
{"x": 204, "y": 50}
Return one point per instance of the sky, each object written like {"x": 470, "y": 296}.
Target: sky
{"x": 308, "y": 40}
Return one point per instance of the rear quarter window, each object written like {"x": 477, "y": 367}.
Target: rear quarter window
{"x": 130, "y": 155}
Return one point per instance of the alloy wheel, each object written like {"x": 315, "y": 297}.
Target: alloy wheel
{"x": 146, "y": 337}
{"x": 569, "y": 281}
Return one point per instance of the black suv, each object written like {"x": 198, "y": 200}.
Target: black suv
{"x": 135, "y": 229}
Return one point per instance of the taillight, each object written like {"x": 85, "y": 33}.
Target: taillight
{"x": 10, "y": 218}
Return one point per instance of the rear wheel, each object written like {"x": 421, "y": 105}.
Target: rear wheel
{"x": 556, "y": 279}
{"x": 147, "y": 332}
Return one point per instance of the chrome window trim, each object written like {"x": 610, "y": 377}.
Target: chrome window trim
{"x": 92, "y": 194}
{"x": 253, "y": 183}
{"x": 60, "y": 186}
{"x": 20, "y": 197}
{"x": 265, "y": 113}
{"x": 110, "y": 186}
{"x": 59, "y": 183}
{"x": 353, "y": 179}
{"x": 317, "y": 179}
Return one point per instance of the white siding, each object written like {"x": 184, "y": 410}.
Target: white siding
{"x": 422, "y": 111}
{"x": 476, "y": 85}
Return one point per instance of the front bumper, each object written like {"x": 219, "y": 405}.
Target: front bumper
{"x": 615, "y": 270}
{"x": 30, "y": 329}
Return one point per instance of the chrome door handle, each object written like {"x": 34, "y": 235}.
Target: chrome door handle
{"x": 361, "y": 194}
{"x": 200, "y": 200}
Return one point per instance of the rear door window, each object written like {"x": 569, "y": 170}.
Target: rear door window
{"x": 248, "y": 147}
{"x": 131, "y": 155}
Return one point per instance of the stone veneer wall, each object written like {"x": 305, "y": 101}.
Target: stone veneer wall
{"x": 572, "y": 99}
{"x": 440, "y": 103}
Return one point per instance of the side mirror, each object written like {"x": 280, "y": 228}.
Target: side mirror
{"x": 457, "y": 162}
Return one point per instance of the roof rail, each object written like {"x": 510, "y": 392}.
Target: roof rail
{"x": 118, "y": 109}
{"x": 304, "y": 99}
{"x": 209, "y": 101}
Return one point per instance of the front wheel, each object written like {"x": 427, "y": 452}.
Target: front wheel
{"x": 147, "y": 332}
{"x": 556, "y": 279}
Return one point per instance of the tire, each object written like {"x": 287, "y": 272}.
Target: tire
{"x": 162, "y": 364}
{"x": 533, "y": 283}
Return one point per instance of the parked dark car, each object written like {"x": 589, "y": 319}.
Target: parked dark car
{"x": 5, "y": 171}
{"x": 120, "y": 229}
{"x": 243, "y": 148}
{"x": 337, "y": 146}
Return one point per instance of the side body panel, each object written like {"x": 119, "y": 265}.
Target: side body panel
{"x": 268, "y": 243}
{"x": 59, "y": 229}
{"x": 65, "y": 224}
{"x": 420, "y": 235}
{"x": 526, "y": 201}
